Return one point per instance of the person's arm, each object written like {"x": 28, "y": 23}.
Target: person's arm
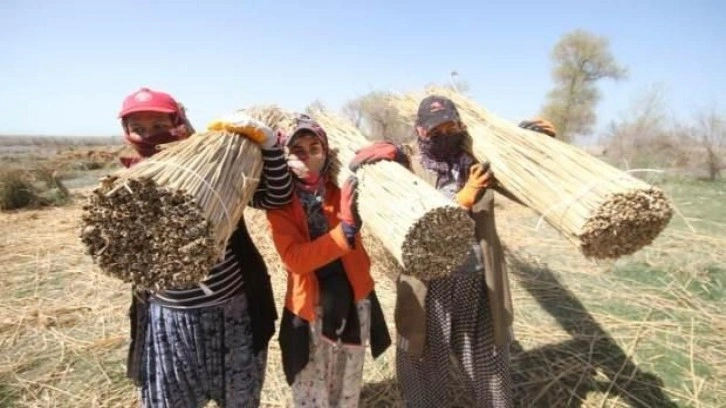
{"x": 377, "y": 151}
{"x": 275, "y": 187}
{"x": 298, "y": 254}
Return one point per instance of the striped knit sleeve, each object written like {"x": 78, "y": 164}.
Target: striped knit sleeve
{"x": 275, "y": 188}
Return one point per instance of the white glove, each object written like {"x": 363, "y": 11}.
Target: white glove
{"x": 244, "y": 125}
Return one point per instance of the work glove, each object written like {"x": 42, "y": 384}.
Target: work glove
{"x": 242, "y": 124}
{"x": 539, "y": 125}
{"x": 480, "y": 177}
{"x": 378, "y": 151}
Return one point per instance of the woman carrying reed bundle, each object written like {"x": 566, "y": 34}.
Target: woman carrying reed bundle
{"x": 209, "y": 341}
{"x": 606, "y": 212}
{"x": 469, "y": 314}
{"x": 398, "y": 210}
{"x": 331, "y": 309}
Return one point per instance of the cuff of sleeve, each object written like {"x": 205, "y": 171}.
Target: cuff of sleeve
{"x": 340, "y": 237}
{"x": 350, "y": 232}
{"x": 273, "y": 148}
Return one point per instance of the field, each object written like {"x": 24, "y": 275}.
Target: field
{"x": 643, "y": 331}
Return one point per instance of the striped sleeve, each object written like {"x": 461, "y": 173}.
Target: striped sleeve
{"x": 275, "y": 188}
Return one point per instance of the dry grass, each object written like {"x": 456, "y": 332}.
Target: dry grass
{"x": 39, "y": 187}
{"x": 24, "y": 140}
{"x": 588, "y": 334}
{"x": 636, "y": 332}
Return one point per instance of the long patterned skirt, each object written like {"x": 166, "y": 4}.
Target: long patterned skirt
{"x": 459, "y": 345}
{"x": 193, "y": 356}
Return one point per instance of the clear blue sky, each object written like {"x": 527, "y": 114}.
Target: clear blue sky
{"x": 66, "y": 66}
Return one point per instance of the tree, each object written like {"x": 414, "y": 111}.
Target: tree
{"x": 644, "y": 136}
{"x": 710, "y": 134}
{"x": 581, "y": 59}
{"x": 377, "y": 119}
{"x": 316, "y": 105}
{"x": 353, "y": 110}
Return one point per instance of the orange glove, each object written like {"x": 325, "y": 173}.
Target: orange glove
{"x": 242, "y": 124}
{"x": 480, "y": 177}
{"x": 540, "y": 125}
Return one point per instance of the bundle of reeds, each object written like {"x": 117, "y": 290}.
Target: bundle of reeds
{"x": 164, "y": 222}
{"x": 428, "y": 235}
{"x": 272, "y": 115}
{"x": 605, "y": 211}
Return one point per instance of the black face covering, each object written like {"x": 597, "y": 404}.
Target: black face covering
{"x": 443, "y": 154}
{"x": 446, "y": 147}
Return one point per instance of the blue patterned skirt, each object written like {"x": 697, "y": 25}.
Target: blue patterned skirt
{"x": 190, "y": 357}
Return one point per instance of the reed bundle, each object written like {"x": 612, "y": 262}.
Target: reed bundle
{"x": 273, "y": 116}
{"x": 165, "y": 222}
{"x": 605, "y": 211}
{"x": 427, "y": 234}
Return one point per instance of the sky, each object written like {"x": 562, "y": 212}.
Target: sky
{"x": 66, "y": 66}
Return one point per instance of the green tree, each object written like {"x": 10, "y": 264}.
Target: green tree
{"x": 581, "y": 59}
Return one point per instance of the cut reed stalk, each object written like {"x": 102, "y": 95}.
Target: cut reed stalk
{"x": 165, "y": 222}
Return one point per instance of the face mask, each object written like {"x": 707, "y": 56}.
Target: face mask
{"x": 146, "y": 146}
{"x": 311, "y": 179}
{"x": 442, "y": 147}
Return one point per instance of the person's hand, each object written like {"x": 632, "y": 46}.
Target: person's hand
{"x": 378, "y": 151}
{"x": 242, "y": 124}
{"x": 349, "y": 216}
{"x": 540, "y": 125}
{"x": 480, "y": 177}
{"x": 129, "y": 162}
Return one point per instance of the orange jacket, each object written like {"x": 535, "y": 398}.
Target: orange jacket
{"x": 302, "y": 257}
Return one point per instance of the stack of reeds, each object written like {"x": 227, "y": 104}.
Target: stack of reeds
{"x": 165, "y": 222}
{"x": 428, "y": 235}
{"x": 605, "y": 211}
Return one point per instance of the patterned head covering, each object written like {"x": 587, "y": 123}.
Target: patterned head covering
{"x": 306, "y": 124}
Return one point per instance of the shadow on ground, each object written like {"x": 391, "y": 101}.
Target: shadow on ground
{"x": 562, "y": 374}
